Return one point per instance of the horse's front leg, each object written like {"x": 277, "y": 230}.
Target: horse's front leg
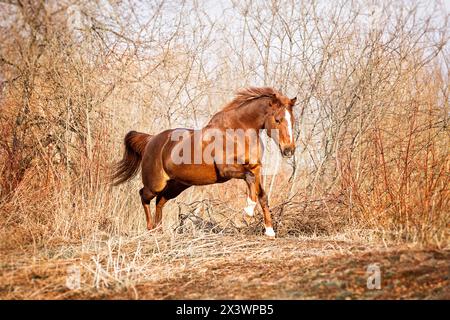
{"x": 250, "y": 179}
{"x": 263, "y": 201}
{"x": 253, "y": 180}
{"x": 240, "y": 172}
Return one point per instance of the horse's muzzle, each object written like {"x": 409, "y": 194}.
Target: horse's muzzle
{"x": 287, "y": 152}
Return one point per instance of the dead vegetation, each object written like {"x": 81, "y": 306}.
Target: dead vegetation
{"x": 220, "y": 266}
{"x": 369, "y": 180}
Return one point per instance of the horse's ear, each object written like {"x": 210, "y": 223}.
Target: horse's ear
{"x": 274, "y": 100}
{"x": 293, "y": 101}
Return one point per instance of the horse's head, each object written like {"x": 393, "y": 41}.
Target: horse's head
{"x": 280, "y": 124}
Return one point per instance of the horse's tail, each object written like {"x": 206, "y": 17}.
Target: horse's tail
{"x": 128, "y": 167}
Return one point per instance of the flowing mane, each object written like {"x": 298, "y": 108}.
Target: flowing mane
{"x": 243, "y": 96}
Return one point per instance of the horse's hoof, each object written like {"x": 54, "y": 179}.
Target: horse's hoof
{"x": 270, "y": 233}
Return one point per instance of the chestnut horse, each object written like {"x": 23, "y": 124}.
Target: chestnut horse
{"x": 165, "y": 177}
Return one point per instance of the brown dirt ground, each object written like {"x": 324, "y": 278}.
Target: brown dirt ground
{"x": 327, "y": 270}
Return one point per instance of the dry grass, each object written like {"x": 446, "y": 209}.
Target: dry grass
{"x": 217, "y": 266}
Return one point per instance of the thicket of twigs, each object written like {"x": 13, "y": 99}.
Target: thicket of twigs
{"x": 372, "y": 118}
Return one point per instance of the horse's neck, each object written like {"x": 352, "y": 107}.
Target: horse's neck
{"x": 251, "y": 116}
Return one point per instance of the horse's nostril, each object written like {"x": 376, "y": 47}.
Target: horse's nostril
{"x": 287, "y": 152}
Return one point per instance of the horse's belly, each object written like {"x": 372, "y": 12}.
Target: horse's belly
{"x": 193, "y": 174}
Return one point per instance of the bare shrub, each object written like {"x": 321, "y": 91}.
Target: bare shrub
{"x": 372, "y": 129}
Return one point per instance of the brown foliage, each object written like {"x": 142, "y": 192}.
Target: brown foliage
{"x": 372, "y": 135}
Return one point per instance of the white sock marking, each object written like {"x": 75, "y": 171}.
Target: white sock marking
{"x": 289, "y": 123}
{"x": 250, "y": 208}
{"x": 270, "y": 232}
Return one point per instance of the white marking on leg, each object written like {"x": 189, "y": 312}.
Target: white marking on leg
{"x": 270, "y": 232}
{"x": 250, "y": 208}
{"x": 289, "y": 125}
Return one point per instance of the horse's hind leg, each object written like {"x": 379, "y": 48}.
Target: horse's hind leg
{"x": 172, "y": 190}
{"x": 146, "y": 197}
{"x": 160, "y": 202}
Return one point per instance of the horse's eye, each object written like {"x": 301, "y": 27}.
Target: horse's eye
{"x": 278, "y": 120}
